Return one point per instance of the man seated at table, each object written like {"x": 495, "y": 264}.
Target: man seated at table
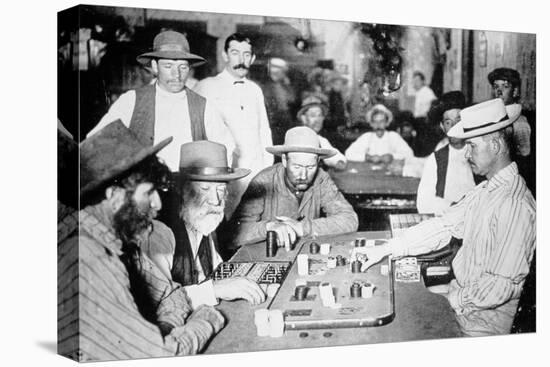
{"x": 125, "y": 306}
{"x": 190, "y": 254}
{"x": 447, "y": 176}
{"x": 294, "y": 198}
{"x": 312, "y": 114}
{"x": 496, "y": 222}
{"x": 379, "y": 145}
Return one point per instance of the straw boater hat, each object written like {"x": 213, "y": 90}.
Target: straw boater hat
{"x": 301, "y": 139}
{"x": 205, "y": 160}
{"x": 110, "y": 152}
{"x": 380, "y": 108}
{"x": 312, "y": 101}
{"x": 483, "y": 118}
{"x": 170, "y": 45}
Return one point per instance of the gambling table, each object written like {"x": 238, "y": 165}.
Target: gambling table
{"x": 397, "y": 312}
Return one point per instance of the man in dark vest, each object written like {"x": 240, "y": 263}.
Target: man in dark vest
{"x": 167, "y": 108}
{"x": 447, "y": 176}
{"x": 190, "y": 255}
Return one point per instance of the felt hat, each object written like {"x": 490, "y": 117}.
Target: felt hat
{"x": 380, "y": 108}
{"x": 483, "y": 118}
{"x": 507, "y": 74}
{"x": 448, "y": 101}
{"x": 109, "y": 153}
{"x": 301, "y": 139}
{"x": 171, "y": 45}
{"x": 205, "y": 160}
{"x": 311, "y": 101}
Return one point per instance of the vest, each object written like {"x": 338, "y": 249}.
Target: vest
{"x": 442, "y": 163}
{"x": 143, "y": 117}
{"x": 184, "y": 270}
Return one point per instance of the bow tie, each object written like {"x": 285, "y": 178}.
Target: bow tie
{"x": 238, "y": 82}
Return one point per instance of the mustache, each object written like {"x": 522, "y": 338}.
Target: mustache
{"x": 240, "y": 66}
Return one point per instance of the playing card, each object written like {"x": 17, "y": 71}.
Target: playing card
{"x": 407, "y": 273}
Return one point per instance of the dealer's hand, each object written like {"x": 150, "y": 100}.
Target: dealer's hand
{"x": 239, "y": 288}
{"x": 374, "y": 254}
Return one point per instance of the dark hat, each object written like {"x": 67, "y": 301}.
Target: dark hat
{"x": 301, "y": 139}
{"x": 171, "y": 45}
{"x": 110, "y": 152}
{"x": 205, "y": 160}
{"x": 448, "y": 101}
{"x": 311, "y": 101}
{"x": 506, "y": 74}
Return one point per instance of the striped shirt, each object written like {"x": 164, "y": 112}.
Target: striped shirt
{"x": 496, "y": 221}
{"x": 98, "y": 318}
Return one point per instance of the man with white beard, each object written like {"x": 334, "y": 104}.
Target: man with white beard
{"x": 190, "y": 254}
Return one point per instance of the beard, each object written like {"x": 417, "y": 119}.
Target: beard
{"x": 130, "y": 221}
{"x": 202, "y": 217}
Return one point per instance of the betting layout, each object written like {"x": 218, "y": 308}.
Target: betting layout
{"x": 325, "y": 288}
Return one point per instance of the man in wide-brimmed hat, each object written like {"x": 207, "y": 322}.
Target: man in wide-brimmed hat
{"x": 447, "y": 175}
{"x": 312, "y": 114}
{"x": 125, "y": 306}
{"x": 495, "y": 220}
{"x": 505, "y": 84}
{"x": 167, "y": 107}
{"x": 294, "y": 198}
{"x": 191, "y": 254}
{"x": 379, "y": 145}
{"x": 241, "y": 102}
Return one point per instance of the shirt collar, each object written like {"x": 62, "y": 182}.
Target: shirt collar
{"x": 230, "y": 79}
{"x": 503, "y": 176}
{"x": 103, "y": 229}
{"x": 162, "y": 92}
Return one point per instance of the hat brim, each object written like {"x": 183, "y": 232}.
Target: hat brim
{"x": 308, "y": 106}
{"x": 194, "y": 60}
{"x": 237, "y": 173}
{"x": 124, "y": 165}
{"x": 458, "y": 132}
{"x": 282, "y": 149}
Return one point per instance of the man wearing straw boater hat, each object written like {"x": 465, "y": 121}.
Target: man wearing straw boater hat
{"x": 114, "y": 302}
{"x": 167, "y": 107}
{"x": 190, "y": 255}
{"x": 294, "y": 198}
{"x": 495, "y": 220}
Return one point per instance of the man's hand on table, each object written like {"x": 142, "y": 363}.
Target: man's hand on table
{"x": 288, "y": 231}
{"x": 239, "y": 288}
{"x": 374, "y": 254}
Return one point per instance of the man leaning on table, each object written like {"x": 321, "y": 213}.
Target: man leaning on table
{"x": 294, "y": 198}
{"x": 496, "y": 221}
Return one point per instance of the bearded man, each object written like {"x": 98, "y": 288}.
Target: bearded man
{"x": 113, "y": 302}
{"x": 190, "y": 255}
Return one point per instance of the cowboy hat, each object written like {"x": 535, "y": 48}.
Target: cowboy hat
{"x": 301, "y": 139}
{"x": 171, "y": 45}
{"x": 484, "y": 118}
{"x": 110, "y": 152}
{"x": 311, "y": 101}
{"x": 380, "y": 108}
{"x": 205, "y": 160}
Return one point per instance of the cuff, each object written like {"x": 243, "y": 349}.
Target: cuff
{"x": 397, "y": 248}
{"x": 454, "y": 297}
{"x": 202, "y": 294}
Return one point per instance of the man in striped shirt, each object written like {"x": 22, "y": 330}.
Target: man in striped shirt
{"x": 496, "y": 221}
{"x": 113, "y": 302}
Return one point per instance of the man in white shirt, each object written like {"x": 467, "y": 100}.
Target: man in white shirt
{"x": 190, "y": 255}
{"x": 379, "y": 145}
{"x": 167, "y": 107}
{"x": 312, "y": 114}
{"x": 241, "y": 103}
{"x": 447, "y": 176}
{"x": 423, "y": 96}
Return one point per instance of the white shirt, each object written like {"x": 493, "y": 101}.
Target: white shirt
{"x": 171, "y": 112}
{"x": 459, "y": 180}
{"x": 243, "y": 110}
{"x": 369, "y": 143}
{"x": 338, "y": 157}
{"x": 423, "y": 101}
